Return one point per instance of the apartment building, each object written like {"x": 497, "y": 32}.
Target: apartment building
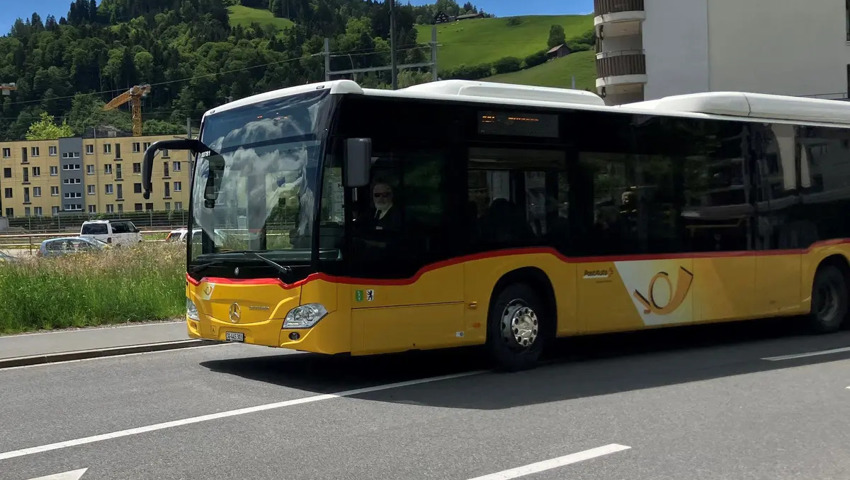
{"x": 648, "y": 49}
{"x": 88, "y": 175}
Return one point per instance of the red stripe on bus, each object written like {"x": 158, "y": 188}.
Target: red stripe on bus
{"x": 508, "y": 252}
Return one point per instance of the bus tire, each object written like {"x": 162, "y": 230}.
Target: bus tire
{"x": 829, "y": 300}
{"x": 515, "y": 328}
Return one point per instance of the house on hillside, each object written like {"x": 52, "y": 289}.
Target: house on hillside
{"x": 441, "y": 17}
{"x": 469, "y": 16}
{"x": 561, "y": 50}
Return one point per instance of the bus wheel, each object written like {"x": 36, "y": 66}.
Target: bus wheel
{"x": 829, "y": 300}
{"x": 515, "y": 333}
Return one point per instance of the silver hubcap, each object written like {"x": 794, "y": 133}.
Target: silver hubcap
{"x": 519, "y": 324}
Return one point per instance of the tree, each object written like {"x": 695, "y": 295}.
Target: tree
{"x": 556, "y": 36}
{"x": 46, "y": 129}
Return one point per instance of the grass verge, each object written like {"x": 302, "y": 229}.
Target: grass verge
{"x": 142, "y": 283}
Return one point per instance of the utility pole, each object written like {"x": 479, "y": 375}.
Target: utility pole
{"x": 393, "y": 68}
{"x": 327, "y": 59}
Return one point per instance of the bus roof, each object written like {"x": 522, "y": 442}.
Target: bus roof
{"x": 753, "y": 105}
{"x": 741, "y": 105}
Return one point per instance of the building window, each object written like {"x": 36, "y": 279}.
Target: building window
{"x": 165, "y": 153}
{"x": 178, "y": 206}
{"x": 72, "y": 181}
{"x": 137, "y": 147}
{"x": 52, "y": 151}
{"x": 7, "y": 152}
{"x": 26, "y": 195}
{"x": 36, "y": 191}
{"x": 92, "y": 208}
{"x": 10, "y": 212}
{"x": 120, "y": 191}
{"x": 176, "y": 166}
{"x": 54, "y": 170}
{"x": 92, "y": 190}
{"x": 39, "y": 212}
{"x": 137, "y": 188}
{"x": 110, "y": 208}
{"x": 89, "y": 149}
{"x": 70, "y": 166}
{"x": 8, "y": 193}
{"x": 109, "y": 189}
{"x": 73, "y": 195}
{"x": 118, "y": 173}
{"x": 54, "y": 210}
{"x": 167, "y": 190}
{"x": 149, "y": 207}
{"x": 107, "y": 148}
{"x": 26, "y": 211}
{"x": 34, "y": 151}
{"x": 7, "y": 173}
{"x": 26, "y": 175}
{"x": 54, "y": 191}
{"x": 118, "y": 150}
{"x": 146, "y": 145}
{"x": 137, "y": 168}
{"x": 165, "y": 169}
{"x": 71, "y": 155}
{"x": 107, "y": 169}
{"x": 36, "y": 171}
{"x": 178, "y": 186}
{"x": 138, "y": 207}
{"x": 167, "y": 206}
{"x": 90, "y": 169}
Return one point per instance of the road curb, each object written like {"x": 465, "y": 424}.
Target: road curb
{"x": 100, "y": 352}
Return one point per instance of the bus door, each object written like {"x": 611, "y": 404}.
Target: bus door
{"x": 780, "y": 235}
{"x": 404, "y": 232}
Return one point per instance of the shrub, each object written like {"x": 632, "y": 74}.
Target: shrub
{"x": 507, "y": 65}
{"x": 535, "y": 59}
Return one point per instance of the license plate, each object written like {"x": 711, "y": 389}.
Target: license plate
{"x": 234, "y": 336}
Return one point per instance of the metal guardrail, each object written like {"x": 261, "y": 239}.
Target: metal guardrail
{"x": 32, "y": 241}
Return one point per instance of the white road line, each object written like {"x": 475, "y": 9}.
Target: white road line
{"x": 809, "y": 354}
{"x": 226, "y": 414}
{"x": 554, "y": 463}
{"x": 72, "y": 475}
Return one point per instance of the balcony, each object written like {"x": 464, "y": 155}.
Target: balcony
{"x": 616, "y": 18}
{"x": 620, "y": 72}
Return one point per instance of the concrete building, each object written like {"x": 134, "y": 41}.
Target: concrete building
{"x": 88, "y": 175}
{"x": 648, "y": 49}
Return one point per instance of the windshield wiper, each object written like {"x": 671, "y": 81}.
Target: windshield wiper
{"x": 197, "y": 268}
{"x": 279, "y": 267}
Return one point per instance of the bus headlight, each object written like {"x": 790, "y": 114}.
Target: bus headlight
{"x": 305, "y": 316}
{"x": 191, "y": 310}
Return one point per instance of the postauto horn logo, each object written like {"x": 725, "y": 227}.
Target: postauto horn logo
{"x": 677, "y": 295}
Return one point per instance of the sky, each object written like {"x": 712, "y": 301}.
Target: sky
{"x": 13, "y": 9}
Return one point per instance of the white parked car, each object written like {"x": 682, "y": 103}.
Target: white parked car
{"x": 114, "y": 232}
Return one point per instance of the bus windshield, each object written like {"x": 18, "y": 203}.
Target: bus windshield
{"x": 255, "y": 191}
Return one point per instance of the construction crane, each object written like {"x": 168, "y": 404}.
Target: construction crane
{"x": 134, "y": 96}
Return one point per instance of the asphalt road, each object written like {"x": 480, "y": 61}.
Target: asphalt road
{"x": 707, "y": 402}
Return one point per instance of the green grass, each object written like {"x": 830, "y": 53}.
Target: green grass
{"x": 485, "y": 40}
{"x": 556, "y": 73}
{"x": 241, "y": 15}
{"x": 142, "y": 283}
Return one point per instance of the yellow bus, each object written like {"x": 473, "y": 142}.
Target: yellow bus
{"x": 335, "y": 219}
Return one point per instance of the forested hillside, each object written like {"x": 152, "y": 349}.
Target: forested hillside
{"x": 190, "y": 53}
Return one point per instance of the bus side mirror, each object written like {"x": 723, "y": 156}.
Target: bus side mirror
{"x": 358, "y": 162}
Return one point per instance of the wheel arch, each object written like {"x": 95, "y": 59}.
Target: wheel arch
{"x": 540, "y": 283}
